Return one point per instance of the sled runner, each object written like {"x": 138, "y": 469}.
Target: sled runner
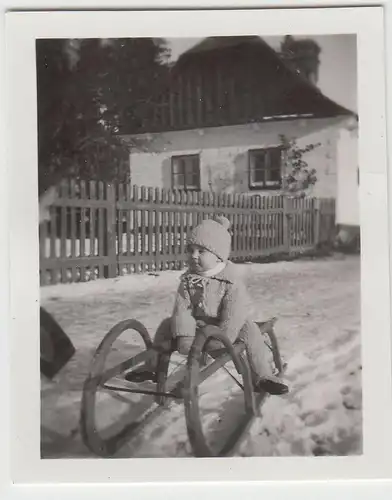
{"x": 181, "y": 385}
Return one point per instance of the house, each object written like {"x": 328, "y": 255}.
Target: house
{"x": 222, "y": 112}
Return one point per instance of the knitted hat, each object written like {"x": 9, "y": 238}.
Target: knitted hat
{"x": 214, "y": 236}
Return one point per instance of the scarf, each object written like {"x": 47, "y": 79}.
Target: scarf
{"x": 197, "y": 282}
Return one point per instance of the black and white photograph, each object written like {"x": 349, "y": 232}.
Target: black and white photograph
{"x": 199, "y": 246}
{"x": 199, "y": 257}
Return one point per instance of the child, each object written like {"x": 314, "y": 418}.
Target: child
{"x": 212, "y": 298}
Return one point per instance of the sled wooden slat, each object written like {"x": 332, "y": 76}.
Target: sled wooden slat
{"x": 218, "y": 363}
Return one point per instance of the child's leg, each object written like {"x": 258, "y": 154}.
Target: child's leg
{"x": 162, "y": 343}
{"x": 184, "y": 344}
{"x": 257, "y": 352}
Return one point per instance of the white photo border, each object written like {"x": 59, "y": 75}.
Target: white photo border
{"x": 22, "y": 30}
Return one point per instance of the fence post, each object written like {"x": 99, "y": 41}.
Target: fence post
{"x": 286, "y": 224}
{"x": 111, "y": 230}
{"x": 317, "y": 222}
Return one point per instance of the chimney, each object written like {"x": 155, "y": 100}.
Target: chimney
{"x": 302, "y": 56}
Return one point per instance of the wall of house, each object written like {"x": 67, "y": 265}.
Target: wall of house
{"x": 224, "y": 153}
{"x": 324, "y": 160}
{"x": 347, "y": 206}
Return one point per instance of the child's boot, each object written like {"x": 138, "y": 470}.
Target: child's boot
{"x": 141, "y": 375}
{"x": 144, "y": 373}
{"x": 272, "y": 385}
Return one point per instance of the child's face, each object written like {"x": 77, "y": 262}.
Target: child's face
{"x": 200, "y": 259}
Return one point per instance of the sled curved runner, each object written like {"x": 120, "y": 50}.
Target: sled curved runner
{"x": 182, "y": 385}
{"x": 98, "y": 376}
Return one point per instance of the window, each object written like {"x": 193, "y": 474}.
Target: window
{"x": 265, "y": 168}
{"x": 186, "y": 172}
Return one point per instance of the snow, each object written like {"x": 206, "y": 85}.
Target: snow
{"x": 318, "y": 309}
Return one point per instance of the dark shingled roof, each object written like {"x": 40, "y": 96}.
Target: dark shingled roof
{"x": 218, "y": 43}
{"x": 235, "y": 80}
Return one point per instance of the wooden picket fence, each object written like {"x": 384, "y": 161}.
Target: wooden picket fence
{"x": 101, "y": 230}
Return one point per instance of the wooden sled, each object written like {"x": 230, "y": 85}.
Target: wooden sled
{"x": 181, "y": 386}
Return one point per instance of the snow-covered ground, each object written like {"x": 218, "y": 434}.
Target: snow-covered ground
{"x": 317, "y": 303}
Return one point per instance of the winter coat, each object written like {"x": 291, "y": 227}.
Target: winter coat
{"x": 220, "y": 300}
